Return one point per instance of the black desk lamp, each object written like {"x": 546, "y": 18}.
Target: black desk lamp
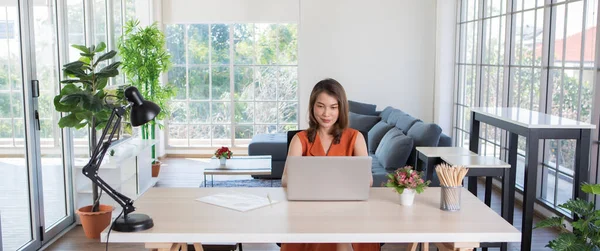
{"x": 142, "y": 112}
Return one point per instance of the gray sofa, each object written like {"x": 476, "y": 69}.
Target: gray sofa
{"x": 392, "y": 138}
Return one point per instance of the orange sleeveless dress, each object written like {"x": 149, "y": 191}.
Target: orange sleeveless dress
{"x": 344, "y": 148}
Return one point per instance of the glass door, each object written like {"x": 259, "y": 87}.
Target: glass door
{"x": 55, "y": 208}
{"x": 16, "y": 185}
{"x": 35, "y": 190}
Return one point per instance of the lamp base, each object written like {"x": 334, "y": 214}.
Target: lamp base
{"x": 133, "y": 223}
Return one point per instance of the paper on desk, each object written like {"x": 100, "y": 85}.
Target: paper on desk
{"x": 237, "y": 201}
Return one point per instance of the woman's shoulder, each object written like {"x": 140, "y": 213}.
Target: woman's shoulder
{"x": 350, "y": 132}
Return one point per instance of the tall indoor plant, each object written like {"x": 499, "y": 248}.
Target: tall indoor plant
{"x": 145, "y": 57}
{"x": 586, "y": 229}
{"x": 83, "y": 97}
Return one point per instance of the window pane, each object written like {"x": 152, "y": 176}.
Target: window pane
{"x": 267, "y": 84}
{"x": 221, "y": 135}
{"x": 199, "y": 83}
{"x": 268, "y": 112}
{"x": 179, "y": 113}
{"x": 287, "y": 84}
{"x": 285, "y": 128}
{"x": 220, "y": 83}
{"x": 175, "y": 35}
{"x": 244, "y": 83}
{"x": 265, "y": 129}
{"x": 221, "y": 112}
{"x": 198, "y": 43}
{"x": 5, "y": 105}
{"x": 590, "y": 33}
{"x": 244, "y": 112}
{"x": 266, "y": 35}
{"x": 199, "y": 112}
{"x": 220, "y": 43}
{"x": 288, "y": 112}
{"x": 99, "y": 21}
{"x": 200, "y": 135}
{"x": 245, "y": 52}
{"x": 288, "y": 44}
{"x": 178, "y": 135}
{"x": 177, "y": 78}
{"x": 244, "y": 131}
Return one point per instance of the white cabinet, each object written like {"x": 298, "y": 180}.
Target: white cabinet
{"x": 129, "y": 172}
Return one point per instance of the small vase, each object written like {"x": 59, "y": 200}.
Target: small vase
{"x": 407, "y": 197}
{"x": 223, "y": 161}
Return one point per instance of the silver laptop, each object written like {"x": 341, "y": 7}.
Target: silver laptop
{"x": 328, "y": 178}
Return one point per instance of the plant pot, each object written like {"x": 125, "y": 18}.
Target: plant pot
{"x": 156, "y": 169}
{"x": 407, "y": 198}
{"x": 95, "y": 222}
{"x": 223, "y": 161}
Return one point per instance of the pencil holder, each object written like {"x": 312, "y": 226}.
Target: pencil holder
{"x": 450, "y": 198}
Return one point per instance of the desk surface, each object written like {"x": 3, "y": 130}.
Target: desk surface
{"x": 531, "y": 119}
{"x": 476, "y": 161}
{"x": 178, "y": 217}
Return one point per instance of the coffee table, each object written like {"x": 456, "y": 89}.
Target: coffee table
{"x": 242, "y": 165}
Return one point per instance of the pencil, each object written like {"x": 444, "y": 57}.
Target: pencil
{"x": 270, "y": 202}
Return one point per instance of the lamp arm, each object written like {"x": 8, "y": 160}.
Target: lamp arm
{"x": 90, "y": 170}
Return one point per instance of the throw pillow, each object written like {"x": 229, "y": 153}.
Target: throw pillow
{"x": 361, "y": 108}
{"x": 405, "y": 122}
{"x": 394, "y": 149}
{"x": 395, "y": 116}
{"x": 425, "y": 134}
{"x": 376, "y": 133}
{"x": 386, "y": 113}
{"x": 363, "y": 122}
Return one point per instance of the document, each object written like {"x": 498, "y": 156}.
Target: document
{"x": 238, "y": 201}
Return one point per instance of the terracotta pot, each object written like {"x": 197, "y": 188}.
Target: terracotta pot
{"x": 94, "y": 222}
{"x": 156, "y": 169}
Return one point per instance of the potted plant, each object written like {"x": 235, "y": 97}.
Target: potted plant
{"x": 84, "y": 100}
{"x": 223, "y": 154}
{"x": 407, "y": 182}
{"x": 586, "y": 229}
{"x": 144, "y": 55}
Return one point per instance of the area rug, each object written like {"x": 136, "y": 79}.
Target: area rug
{"x": 242, "y": 183}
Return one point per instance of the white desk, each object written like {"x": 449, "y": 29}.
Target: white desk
{"x": 179, "y": 218}
{"x": 534, "y": 126}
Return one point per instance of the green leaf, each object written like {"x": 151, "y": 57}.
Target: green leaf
{"x": 73, "y": 81}
{"x": 100, "y": 47}
{"x": 62, "y": 107}
{"x": 101, "y": 83}
{"x": 92, "y": 103}
{"x": 85, "y": 60}
{"x": 400, "y": 190}
{"x": 106, "y": 56}
{"x": 81, "y": 48}
{"x": 69, "y": 121}
{"x": 74, "y": 65}
{"x": 578, "y": 206}
{"x": 72, "y": 99}
{"x": 79, "y": 73}
{"x": 591, "y": 188}
{"x": 568, "y": 242}
{"x": 551, "y": 222}
{"x": 69, "y": 88}
{"x": 89, "y": 55}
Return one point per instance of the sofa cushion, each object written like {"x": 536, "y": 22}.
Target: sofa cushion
{"x": 405, "y": 122}
{"x": 363, "y": 122}
{"x": 394, "y": 149}
{"x": 395, "y": 116}
{"x": 386, "y": 113}
{"x": 376, "y": 133}
{"x": 424, "y": 134}
{"x": 361, "y": 108}
{"x": 269, "y": 144}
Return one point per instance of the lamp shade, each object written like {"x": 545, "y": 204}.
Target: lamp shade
{"x": 142, "y": 111}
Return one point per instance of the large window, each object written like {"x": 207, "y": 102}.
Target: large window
{"x": 232, "y": 81}
{"x": 509, "y": 55}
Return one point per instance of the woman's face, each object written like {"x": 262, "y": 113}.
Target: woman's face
{"x": 326, "y": 110}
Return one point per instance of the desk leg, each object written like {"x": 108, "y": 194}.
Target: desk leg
{"x": 172, "y": 246}
{"x": 488, "y": 191}
{"x": 456, "y": 246}
{"x": 429, "y": 163}
{"x": 508, "y": 183}
{"x": 205, "y": 180}
{"x": 531, "y": 169}
{"x": 212, "y": 180}
{"x": 474, "y": 147}
{"x": 582, "y": 163}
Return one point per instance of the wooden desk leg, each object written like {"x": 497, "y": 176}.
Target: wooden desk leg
{"x": 412, "y": 246}
{"x": 198, "y": 247}
{"x": 425, "y": 246}
{"x": 457, "y": 246}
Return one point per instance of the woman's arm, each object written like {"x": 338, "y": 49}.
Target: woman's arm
{"x": 360, "y": 148}
{"x": 295, "y": 150}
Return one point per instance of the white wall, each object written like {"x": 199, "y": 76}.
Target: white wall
{"x": 444, "y": 64}
{"x": 381, "y": 51}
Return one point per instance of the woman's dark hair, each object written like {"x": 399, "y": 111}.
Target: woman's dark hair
{"x": 335, "y": 89}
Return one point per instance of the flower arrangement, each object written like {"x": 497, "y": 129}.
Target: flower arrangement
{"x": 407, "y": 178}
{"x": 223, "y": 152}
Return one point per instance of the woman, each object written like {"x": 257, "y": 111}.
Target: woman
{"x": 328, "y": 135}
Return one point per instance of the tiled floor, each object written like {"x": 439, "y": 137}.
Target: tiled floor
{"x": 185, "y": 172}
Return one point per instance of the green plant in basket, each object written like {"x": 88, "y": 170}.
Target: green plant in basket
{"x": 407, "y": 178}
{"x": 586, "y": 230}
